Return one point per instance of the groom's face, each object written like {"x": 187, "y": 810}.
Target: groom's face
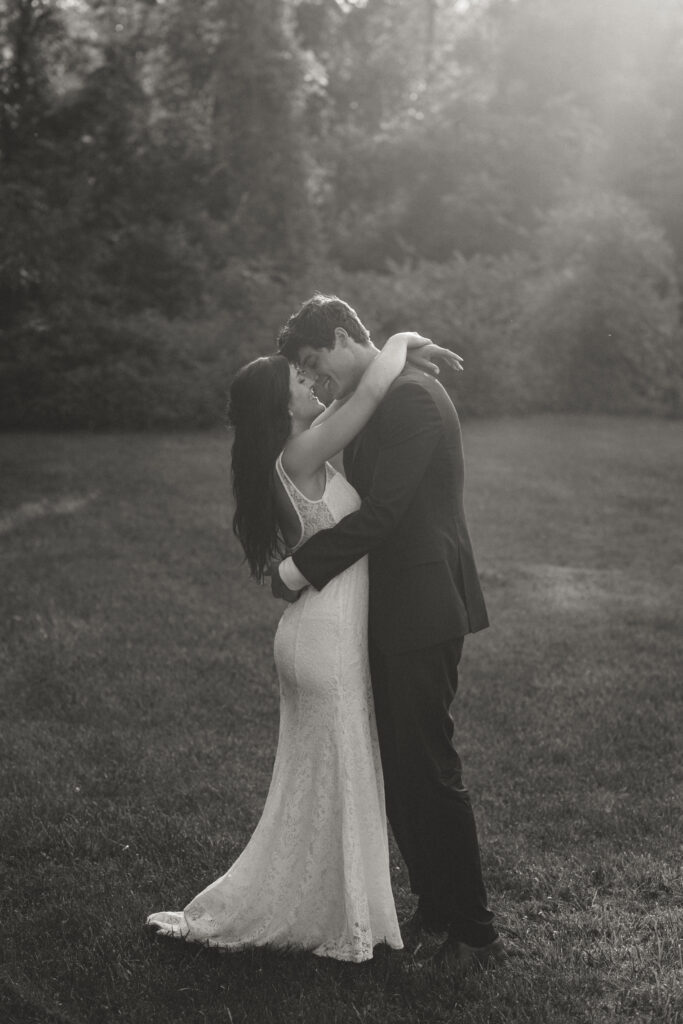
{"x": 333, "y": 370}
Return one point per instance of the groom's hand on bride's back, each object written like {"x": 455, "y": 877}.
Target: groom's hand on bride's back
{"x": 277, "y": 587}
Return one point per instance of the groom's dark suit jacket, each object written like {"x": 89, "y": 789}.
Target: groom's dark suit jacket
{"x": 407, "y": 466}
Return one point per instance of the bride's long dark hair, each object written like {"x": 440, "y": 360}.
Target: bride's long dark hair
{"x": 258, "y": 411}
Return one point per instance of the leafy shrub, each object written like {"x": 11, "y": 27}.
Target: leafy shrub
{"x": 604, "y": 309}
{"x": 136, "y": 372}
{"x": 471, "y": 306}
{"x": 590, "y": 322}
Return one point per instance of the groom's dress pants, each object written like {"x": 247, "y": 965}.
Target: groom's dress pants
{"x": 429, "y": 808}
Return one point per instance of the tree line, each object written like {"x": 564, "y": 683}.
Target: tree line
{"x": 177, "y": 175}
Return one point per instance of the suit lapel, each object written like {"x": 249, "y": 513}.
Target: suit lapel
{"x": 360, "y": 454}
{"x": 350, "y": 455}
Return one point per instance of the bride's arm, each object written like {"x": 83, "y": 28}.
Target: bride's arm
{"x": 306, "y": 452}
{"x": 336, "y": 460}
{"x": 421, "y": 354}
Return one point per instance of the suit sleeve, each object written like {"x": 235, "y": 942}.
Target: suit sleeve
{"x": 409, "y": 430}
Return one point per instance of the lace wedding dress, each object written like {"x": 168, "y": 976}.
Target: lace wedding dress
{"x": 315, "y": 873}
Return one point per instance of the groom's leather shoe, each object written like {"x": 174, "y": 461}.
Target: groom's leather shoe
{"x": 459, "y": 958}
{"x": 420, "y": 940}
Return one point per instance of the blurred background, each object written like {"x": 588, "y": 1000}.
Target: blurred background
{"x": 176, "y": 176}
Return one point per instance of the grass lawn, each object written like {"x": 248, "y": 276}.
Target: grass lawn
{"x": 140, "y": 711}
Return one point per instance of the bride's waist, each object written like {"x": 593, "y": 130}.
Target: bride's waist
{"x": 351, "y": 585}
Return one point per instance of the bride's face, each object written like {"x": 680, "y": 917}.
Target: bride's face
{"x": 303, "y": 403}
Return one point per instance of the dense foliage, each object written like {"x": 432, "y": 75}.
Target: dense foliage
{"x": 176, "y": 176}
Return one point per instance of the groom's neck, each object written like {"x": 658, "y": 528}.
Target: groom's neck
{"x": 363, "y": 356}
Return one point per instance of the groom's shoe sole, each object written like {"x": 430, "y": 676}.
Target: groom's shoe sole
{"x": 419, "y": 941}
{"x": 460, "y": 958}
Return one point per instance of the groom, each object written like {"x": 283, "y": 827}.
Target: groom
{"x": 407, "y": 466}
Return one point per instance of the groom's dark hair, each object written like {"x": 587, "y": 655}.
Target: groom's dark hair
{"x": 315, "y": 322}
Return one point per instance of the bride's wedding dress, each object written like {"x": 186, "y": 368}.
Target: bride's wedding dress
{"x": 315, "y": 873}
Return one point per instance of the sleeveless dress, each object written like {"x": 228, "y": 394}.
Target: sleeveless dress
{"x": 315, "y": 873}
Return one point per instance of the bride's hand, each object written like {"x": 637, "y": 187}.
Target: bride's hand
{"x": 423, "y": 358}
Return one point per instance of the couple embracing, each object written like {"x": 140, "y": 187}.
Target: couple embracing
{"x": 382, "y": 589}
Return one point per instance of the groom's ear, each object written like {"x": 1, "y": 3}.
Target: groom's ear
{"x": 341, "y": 337}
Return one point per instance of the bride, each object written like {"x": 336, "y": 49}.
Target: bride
{"x": 315, "y": 873}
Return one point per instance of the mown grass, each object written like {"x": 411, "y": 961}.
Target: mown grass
{"x": 140, "y": 718}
